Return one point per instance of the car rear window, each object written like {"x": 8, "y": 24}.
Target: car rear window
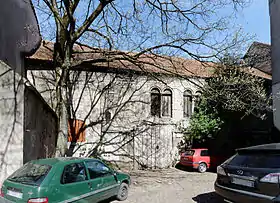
{"x": 204, "y": 153}
{"x": 256, "y": 160}
{"x": 30, "y": 174}
{"x": 189, "y": 153}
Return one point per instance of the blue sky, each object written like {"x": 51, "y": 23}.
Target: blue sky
{"x": 255, "y": 20}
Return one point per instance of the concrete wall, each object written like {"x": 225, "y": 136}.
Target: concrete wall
{"x": 128, "y": 99}
{"x": 19, "y": 32}
{"x": 19, "y": 36}
{"x": 274, "y": 6}
{"x": 28, "y": 125}
{"x": 11, "y": 120}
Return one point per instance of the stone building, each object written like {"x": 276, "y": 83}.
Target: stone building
{"x": 130, "y": 113}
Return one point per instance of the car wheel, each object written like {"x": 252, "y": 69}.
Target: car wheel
{"x": 123, "y": 192}
{"x": 202, "y": 168}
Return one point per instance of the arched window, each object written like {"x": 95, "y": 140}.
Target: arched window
{"x": 188, "y": 103}
{"x": 197, "y": 99}
{"x": 155, "y": 102}
{"x": 167, "y": 103}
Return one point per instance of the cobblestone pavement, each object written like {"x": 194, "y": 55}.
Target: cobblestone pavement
{"x": 172, "y": 186}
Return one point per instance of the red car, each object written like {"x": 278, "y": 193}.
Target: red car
{"x": 196, "y": 158}
{"x": 200, "y": 159}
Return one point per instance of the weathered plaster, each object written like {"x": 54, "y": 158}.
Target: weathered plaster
{"x": 11, "y": 120}
{"x": 154, "y": 145}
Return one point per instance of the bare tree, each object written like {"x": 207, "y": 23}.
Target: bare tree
{"x": 189, "y": 28}
{"x": 112, "y": 108}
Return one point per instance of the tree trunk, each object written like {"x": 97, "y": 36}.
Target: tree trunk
{"x": 61, "y": 147}
{"x": 61, "y": 111}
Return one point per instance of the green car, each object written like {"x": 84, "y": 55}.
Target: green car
{"x": 65, "y": 180}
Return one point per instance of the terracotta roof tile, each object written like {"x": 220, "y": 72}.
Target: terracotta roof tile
{"x": 145, "y": 63}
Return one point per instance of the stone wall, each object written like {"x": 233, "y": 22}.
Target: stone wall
{"x": 132, "y": 132}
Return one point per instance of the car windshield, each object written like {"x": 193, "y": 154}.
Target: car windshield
{"x": 189, "y": 153}
{"x": 30, "y": 174}
{"x": 256, "y": 160}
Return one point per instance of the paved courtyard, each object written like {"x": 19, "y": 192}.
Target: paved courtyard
{"x": 172, "y": 186}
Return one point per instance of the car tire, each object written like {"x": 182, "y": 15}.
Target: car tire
{"x": 123, "y": 192}
{"x": 202, "y": 168}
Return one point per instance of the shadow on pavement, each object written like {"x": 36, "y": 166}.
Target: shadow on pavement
{"x": 210, "y": 197}
{"x": 183, "y": 168}
{"x": 190, "y": 169}
{"x": 108, "y": 200}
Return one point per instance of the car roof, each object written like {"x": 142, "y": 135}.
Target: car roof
{"x": 60, "y": 160}
{"x": 264, "y": 147}
{"x": 199, "y": 149}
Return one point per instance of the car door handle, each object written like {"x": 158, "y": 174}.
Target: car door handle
{"x": 90, "y": 185}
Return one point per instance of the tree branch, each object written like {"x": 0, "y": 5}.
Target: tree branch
{"x": 91, "y": 18}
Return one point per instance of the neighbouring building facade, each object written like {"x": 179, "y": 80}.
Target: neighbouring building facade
{"x": 274, "y": 8}
{"x": 25, "y": 134}
{"x": 128, "y": 114}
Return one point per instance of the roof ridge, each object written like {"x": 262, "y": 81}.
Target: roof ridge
{"x": 131, "y": 52}
{"x": 160, "y": 64}
{"x": 263, "y": 43}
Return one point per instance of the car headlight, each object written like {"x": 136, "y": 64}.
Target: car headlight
{"x": 221, "y": 171}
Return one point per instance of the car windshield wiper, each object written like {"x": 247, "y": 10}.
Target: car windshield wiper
{"x": 27, "y": 182}
{"x": 23, "y": 178}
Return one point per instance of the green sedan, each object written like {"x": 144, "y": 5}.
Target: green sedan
{"x": 65, "y": 180}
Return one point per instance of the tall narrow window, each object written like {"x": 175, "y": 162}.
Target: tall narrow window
{"x": 197, "y": 99}
{"x": 108, "y": 116}
{"x": 167, "y": 103}
{"x": 187, "y": 103}
{"x": 155, "y": 102}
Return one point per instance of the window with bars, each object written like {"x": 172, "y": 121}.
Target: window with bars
{"x": 109, "y": 98}
{"x": 167, "y": 103}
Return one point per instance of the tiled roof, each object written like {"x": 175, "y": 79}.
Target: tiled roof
{"x": 97, "y": 58}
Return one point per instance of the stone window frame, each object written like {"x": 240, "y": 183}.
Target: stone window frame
{"x": 155, "y": 102}
{"x": 167, "y": 93}
{"x": 157, "y": 98}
